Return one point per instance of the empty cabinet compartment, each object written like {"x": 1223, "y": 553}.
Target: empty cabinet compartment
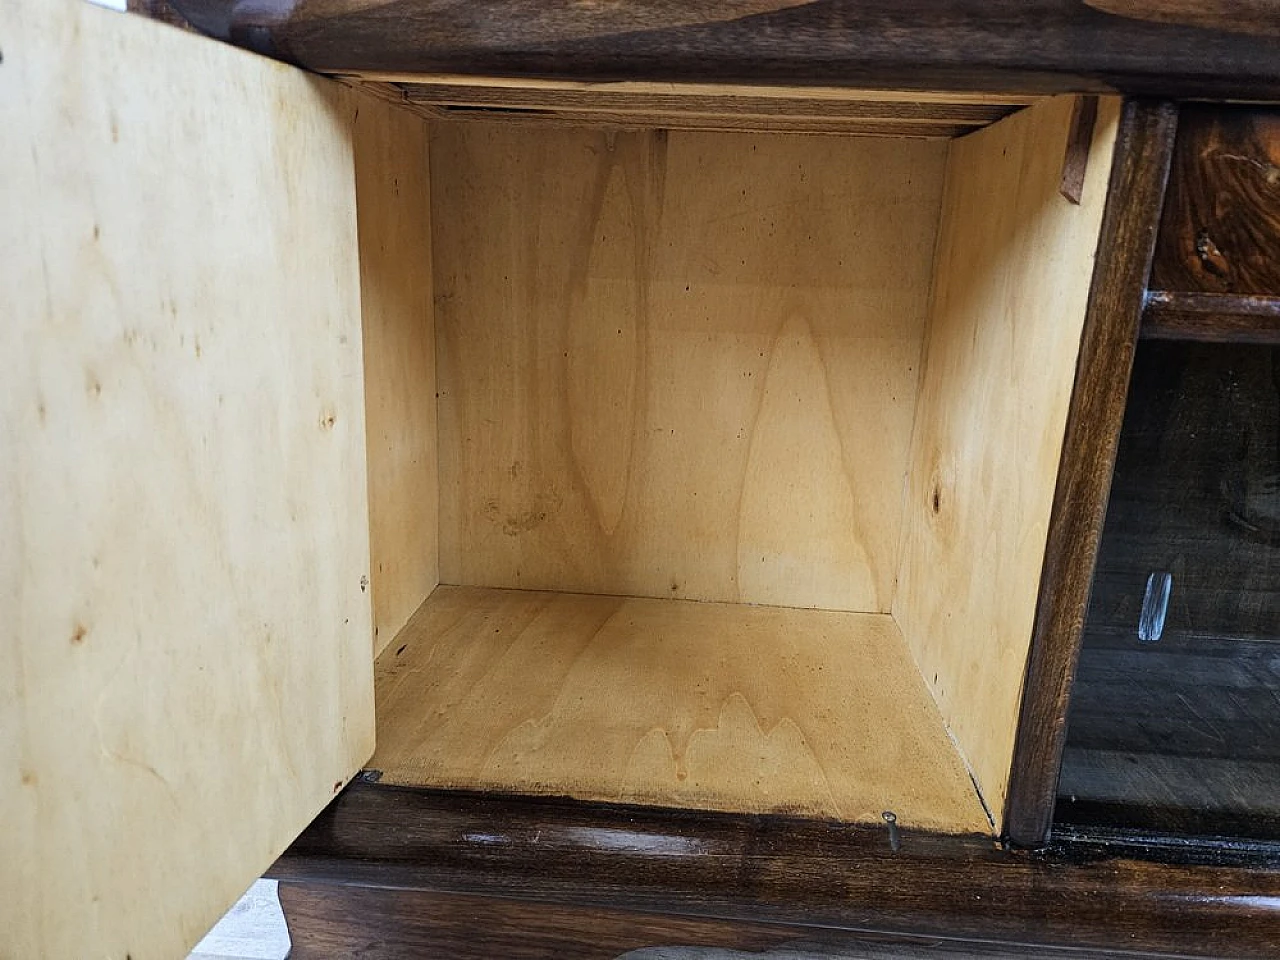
{"x": 714, "y": 469}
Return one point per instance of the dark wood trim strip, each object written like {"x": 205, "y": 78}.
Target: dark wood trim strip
{"x": 1216, "y": 830}
{"x": 778, "y": 870}
{"x": 343, "y": 920}
{"x": 726, "y": 123}
{"x": 1084, "y": 117}
{"x": 701, "y": 100}
{"x": 1161, "y": 846}
{"x": 1157, "y": 48}
{"x": 1125, "y": 249}
{"x": 329, "y": 920}
{"x": 1211, "y": 317}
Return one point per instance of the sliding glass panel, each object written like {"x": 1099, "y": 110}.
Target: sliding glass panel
{"x": 1175, "y": 715}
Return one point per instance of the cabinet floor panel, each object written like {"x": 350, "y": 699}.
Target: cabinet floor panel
{"x": 670, "y": 702}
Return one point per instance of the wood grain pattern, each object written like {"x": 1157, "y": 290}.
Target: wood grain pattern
{"x": 1125, "y": 248}
{"x": 1221, "y": 225}
{"x": 1211, "y": 317}
{"x": 1075, "y": 165}
{"x": 1010, "y": 291}
{"x": 678, "y": 365}
{"x": 328, "y": 920}
{"x": 1028, "y": 46}
{"x": 185, "y": 676}
{"x": 668, "y": 702}
{"x": 1258, "y": 17}
{"x": 749, "y": 99}
{"x": 751, "y": 869}
{"x": 703, "y": 106}
{"x": 707, "y": 123}
{"x": 332, "y": 920}
{"x": 393, "y": 210}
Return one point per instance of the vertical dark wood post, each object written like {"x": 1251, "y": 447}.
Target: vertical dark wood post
{"x": 1125, "y": 248}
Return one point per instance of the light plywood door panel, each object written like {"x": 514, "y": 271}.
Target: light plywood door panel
{"x": 678, "y": 365}
{"x": 185, "y": 671}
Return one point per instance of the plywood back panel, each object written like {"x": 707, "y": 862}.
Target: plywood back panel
{"x": 393, "y": 207}
{"x": 1015, "y": 260}
{"x": 679, "y": 365}
{"x": 185, "y": 677}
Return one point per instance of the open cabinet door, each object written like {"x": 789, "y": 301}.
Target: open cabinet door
{"x": 185, "y": 655}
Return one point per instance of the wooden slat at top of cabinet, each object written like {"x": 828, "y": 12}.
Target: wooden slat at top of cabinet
{"x": 1168, "y": 48}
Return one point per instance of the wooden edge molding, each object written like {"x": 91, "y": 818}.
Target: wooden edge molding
{"x": 1175, "y": 829}
{"x": 700, "y": 106}
{"x": 1032, "y": 47}
{"x": 1211, "y": 317}
{"x": 757, "y": 870}
{"x": 329, "y": 920}
{"x": 710, "y": 123}
{"x": 831, "y": 101}
{"x": 1125, "y": 249}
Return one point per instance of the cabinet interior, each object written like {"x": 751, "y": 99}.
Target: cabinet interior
{"x": 713, "y": 468}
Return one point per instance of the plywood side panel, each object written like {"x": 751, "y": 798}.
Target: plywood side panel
{"x": 712, "y": 706}
{"x": 185, "y": 676}
{"x": 393, "y": 207}
{"x": 1014, "y": 265}
{"x": 679, "y": 365}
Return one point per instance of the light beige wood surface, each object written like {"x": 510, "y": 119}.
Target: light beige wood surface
{"x": 393, "y": 198}
{"x": 551, "y": 87}
{"x": 185, "y": 676}
{"x": 678, "y": 365}
{"x": 706, "y": 106}
{"x": 689, "y": 121}
{"x": 715, "y": 706}
{"x": 1014, "y": 265}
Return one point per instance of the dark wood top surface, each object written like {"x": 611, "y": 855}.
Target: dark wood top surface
{"x": 1175, "y": 48}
